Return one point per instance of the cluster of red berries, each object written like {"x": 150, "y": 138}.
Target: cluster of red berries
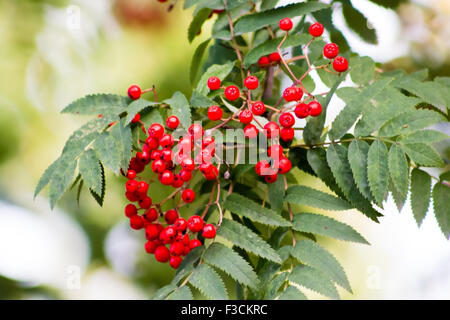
{"x": 271, "y": 59}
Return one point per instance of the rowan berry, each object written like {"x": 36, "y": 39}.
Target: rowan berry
{"x": 232, "y": 92}
{"x": 316, "y": 29}
{"x": 285, "y": 24}
{"x": 331, "y": 50}
{"x": 213, "y": 83}
{"x": 134, "y": 92}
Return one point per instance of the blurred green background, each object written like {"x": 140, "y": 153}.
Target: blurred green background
{"x": 55, "y": 51}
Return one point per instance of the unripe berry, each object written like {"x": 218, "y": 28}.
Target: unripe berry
{"x": 232, "y": 93}
{"x": 195, "y": 223}
{"x": 209, "y": 231}
{"x": 215, "y": 113}
{"x": 172, "y": 122}
{"x": 258, "y": 108}
{"x": 130, "y": 210}
{"x": 134, "y": 92}
{"x": 171, "y": 216}
{"x": 301, "y": 110}
{"x": 330, "y": 50}
{"x": 162, "y": 254}
{"x": 194, "y": 243}
{"x": 285, "y": 24}
{"x": 188, "y": 195}
{"x": 340, "y": 64}
{"x": 251, "y": 82}
{"x": 136, "y": 222}
{"x": 287, "y": 134}
{"x": 316, "y": 29}
{"x": 213, "y": 83}
{"x": 286, "y": 120}
{"x": 263, "y": 62}
{"x": 274, "y": 57}
{"x": 315, "y": 108}
{"x": 250, "y": 131}
{"x": 272, "y": 129}
{"x": 246, "y": 116}
{"x": 175, "y": 262}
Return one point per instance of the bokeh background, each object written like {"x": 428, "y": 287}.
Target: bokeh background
{"x": 54, "y": 51}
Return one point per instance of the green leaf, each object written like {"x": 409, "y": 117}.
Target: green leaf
{"x": 180, "y": 107}
{"x": 315, "y": 256}
{"x": 441, "y": 196}
{"x": 347, "y": 117}
{"x": 154, "y": 116}
{"x": 429, "y": 91}
{"x": 253, "y": 22}
{"x": 254, "y": 211}
{"x": 219, "y": 71}
{"x": 420, "y": 194}
{"x": 422, "y": 154}
{"x": 196, "y": 61}
{"x": 196, "y": 24}
{"x": 276, "y": 194}
{"x": 392, "y": 4}
{"x": 182, "y": 293}
{"x": 246, "y": 239}
{"x": 399, "y": 198}
{"x": 200, "y": 101}
{"x": 232, "y": 264}
{"x": 377, "y": 170}
{"x": 187, "y": 265}
{"x": 423, "y": 136}
{"x": 100, "y": 197}
{"x": 326, "y": 77}
{"x": 163, "y": 292}
{"x": 106, "y": 150}
{"x": 315, "y": 280}
{"x": 363, "y": 69}
{"x": 357, "y": 158}
{"x": 292, "y": 293}
{"x": 90, "y": 170}
{"x": 137, "y": 106}
{"x": 97, "y": 104}
{"x": 358, "y": 23}
{"x": 445, "y": 176}
{"x": 326, "y": 226}
{"x": 121, "y": 134}
{"x": 271, "y": 46}
{"x": 314, "y": 198}
{"x": 398, "y": 169}
{"x": 268, "y": 4}
{"x": 409, "y": 122}
{"x": 338, "y": 162}
{"x": 46, "y": 176}
{"x": 205, "y": 279}
{"x": 61, "y": 179}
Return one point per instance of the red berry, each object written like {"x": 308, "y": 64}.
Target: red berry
{"x": 275, "y": 151}
{"x": 285, "y": 24}
{"x": 180, "y": 224}
{"x": 284, "y": 165}
{"x": 331, "y": 50}
{"x": 209, "y": 231}
{"x": 131, "y": 196}
{"x": 131, "y": 185}
{"x": 286, "y": 120}
{"x": 232, "y": 93}
{"x": 250, "y": 131}
{"x": 301, "y": 110}
{"x": 166, "y": 155}
{"x": 152, "y": 143}
{"x": 271, "y": 178}
{"x": 168, "y": 234}
{"x": 162, "y": 254}
{"x": 145, "y": 203}
{"x": 340, "y": 64}
{"x": 142, "y": 187}
{"x": 213, "y": 83}
{"x": 206, "y": 168}
{"x": 272, "y": 129}
{"x": 195, "y": 223}
{"x": 208, "y": 142}
{"x": 315, "y": 108}
{"x": 175, "y": 262}
{"x": 167, "y": 177}
{"x": 152, "y": 231}
{"x": 215, "y": 113}
{"x": 177, "y": 181}
{"x": 188, "y": 164}
{"x": 316, "y": 29}
{"x": 166, "y": 141}
{"x": 263, "y": 62}
{"x": 150, "y": 246}
{"x": 274, "y": 57}
{"x": 251, "y": 82}
{"x": 292, "y": 94}
{"x": 136, "y": 118}
{"x": 262, "y": 167}
{"x": 246, "y": 116}
{"x": 151, "y": 215}
{"x": 287, "y": 134}
{"x": 131, "y": 174}
{"x": 188, "y": 195}
{"x": 177, "y": 248}
{"x": 156, "y": 130}
{"x": 194, "y": 243}
{"x": 258, "y": 108}
{"x": 158, "y": 166}
{"x": 134, "y": 92}
{"x": 213, "y": 174}
{"x": 185, "y": 175}
{"x": 136, "y": 222}
{"x": 130, "y": 210}
{"x": 171, "y": 216}
{"x": 172, "y": 122}
{"x": 196, "y": 131}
